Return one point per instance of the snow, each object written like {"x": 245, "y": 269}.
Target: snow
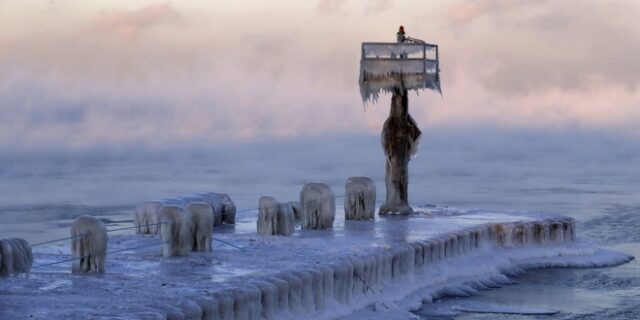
{"x": 358, "y": 266}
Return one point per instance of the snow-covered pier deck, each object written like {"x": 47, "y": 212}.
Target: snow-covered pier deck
{"x": 393, "y": 262}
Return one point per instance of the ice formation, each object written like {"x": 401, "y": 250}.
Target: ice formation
{"x": 405, "y": 66}
{"x": 15, "y": 257}
{"x": 221, "y": 204}
{"x": 318, "y": 203}
{"x": 275, "y": 218}
{"x": 88, "y": 245}
{"x": 315, "y": 290}
{"x": 146, "y": 214}
{"x": 201, "y": 225}
{"x": 390, "y": 50}
{"x": 360, "y": 199}
{"x": 267, "y": 216}
{"x": 297, "y": 210}
{"x": 175, "y": 231}
{"x": 400, "y": 138}
{"x": 145, "y": 217}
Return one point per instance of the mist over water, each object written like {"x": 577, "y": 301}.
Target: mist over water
{"x": 589, "y": 175}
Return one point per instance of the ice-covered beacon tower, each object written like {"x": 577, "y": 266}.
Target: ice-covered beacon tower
{"x": 397, "y": 67}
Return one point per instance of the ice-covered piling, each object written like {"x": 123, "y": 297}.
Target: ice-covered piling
{"x": 201, "y": 225}
{"x": 175, "y": 231}
{"x": 318, "y": 204}
{"x": 222, "y": 206}
{"x": 88, "y": 245}
{"x": 360, "y": 199}
{"x": 15, "y": 257}
{"x": 297, "y": 210}
{"x": 146, "y": 214}
{"x": 275, "y": 218}
{"x": 145, "y": 217}
{"x": 400, "y": 139}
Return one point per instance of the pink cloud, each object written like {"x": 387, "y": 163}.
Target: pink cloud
{"x": 331, "y": 7}
{"x": 129, "y": 23}
{"x": 466, "y": 11}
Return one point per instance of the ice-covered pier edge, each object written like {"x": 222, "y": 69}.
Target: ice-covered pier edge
{"x": 479, "y": 253}
{"x": 391, "y": 263}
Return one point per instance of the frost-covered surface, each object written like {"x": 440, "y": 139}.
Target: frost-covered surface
{"x": 370, "y": 267}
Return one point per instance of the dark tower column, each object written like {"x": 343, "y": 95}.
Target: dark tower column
{"x": 400, "y": 137}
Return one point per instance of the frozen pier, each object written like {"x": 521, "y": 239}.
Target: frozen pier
{"x": 394, "y": 262}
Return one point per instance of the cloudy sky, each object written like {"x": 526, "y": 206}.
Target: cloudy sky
{"x": 77, "y": 73}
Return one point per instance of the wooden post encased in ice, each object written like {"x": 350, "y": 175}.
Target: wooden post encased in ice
{"x": 409, "y": 64}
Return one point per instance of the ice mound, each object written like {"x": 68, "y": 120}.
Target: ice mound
{"x": 391, "y": 263}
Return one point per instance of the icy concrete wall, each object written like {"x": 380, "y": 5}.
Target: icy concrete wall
{"x": 320, "y": 288}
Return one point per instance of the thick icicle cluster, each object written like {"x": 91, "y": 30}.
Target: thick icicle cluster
{"x": 372, "y": 84}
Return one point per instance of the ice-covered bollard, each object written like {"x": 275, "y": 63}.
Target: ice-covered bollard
{"x": 146, "y": 217}
{"x": 267, "y": 212}
{"x": 297, "y": 210}
{"x": 286, "y": 220}
{"x": 318, "y": 204}
{"x": 201, "y": 226}
{"x": 15, "y": 257}
{"x": 88, "y": 245}
{"x": 228, "y": 209}
{"x": 175, "y": 231}
{"x": 360, "y": 199}
{"x": 224, "y": 210}
{"x": 275, "y": 218}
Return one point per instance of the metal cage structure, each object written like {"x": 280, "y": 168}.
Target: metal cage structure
{"x": 410, "y": 65}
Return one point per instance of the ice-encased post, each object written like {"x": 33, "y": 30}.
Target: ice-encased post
{"x": 400, "y": 135}
{"x": 408, "y": 64}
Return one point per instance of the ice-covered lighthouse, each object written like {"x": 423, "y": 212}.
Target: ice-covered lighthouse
{"x": 397, "y": 67}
